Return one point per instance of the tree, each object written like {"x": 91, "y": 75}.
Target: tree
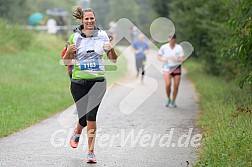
{"x": 146, "y": 15}
{"x": 123, "y": 9}
{"x": 18, "y": 11}
{"x": 240, "y": 49}
{"x": 13, "y": 10}
{"x": 102, "y": 10}
{"x": 161, "y": 7}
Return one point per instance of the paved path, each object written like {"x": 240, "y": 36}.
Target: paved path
{"x": 134, "y": 128}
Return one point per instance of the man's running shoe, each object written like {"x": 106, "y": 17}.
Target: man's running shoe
{"x": 173, "y": 104}
{"x": 91, "y": 158}
{"x": 167, "y": 103}
{"x": 74, "y": 141}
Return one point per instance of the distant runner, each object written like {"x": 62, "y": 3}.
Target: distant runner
{"x": 171, "y": 54}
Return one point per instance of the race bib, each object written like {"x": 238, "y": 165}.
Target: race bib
{"x": 166, "y": 67}
{"x": 89, "y": 64}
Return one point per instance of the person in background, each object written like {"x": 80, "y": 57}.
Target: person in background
{"x": 69, "y": 67}
{"x": 171, "y": 54}
{"x": 140, "y": 48}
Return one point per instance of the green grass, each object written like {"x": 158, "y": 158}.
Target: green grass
{"x": 226, "y": 120}
{"x": 34, "y": 85}
{"x": 12, "y": 38}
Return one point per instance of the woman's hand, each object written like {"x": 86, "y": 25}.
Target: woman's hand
{"x": 110, "y": 51}
{"x": 162, "y": 59}
{"x": 71, "y": 48}
{"x": 165, "y": 60}
{"x": 67, "y": 58}
{"x": 107, "y": 46}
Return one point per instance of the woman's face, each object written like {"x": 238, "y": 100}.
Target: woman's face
{"x": 89, "y": 20}
{"x": 172, "y": 41}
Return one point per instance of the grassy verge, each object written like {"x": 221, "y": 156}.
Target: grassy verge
{"x": 226, "y": 120}
{"x": 34, "y": 85}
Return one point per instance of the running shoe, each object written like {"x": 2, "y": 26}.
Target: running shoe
{"x": 173, "y": 104}
{"x": 91, "y": 158}
{"x": 74, "y": 141}
{"x": 167, "y": 103}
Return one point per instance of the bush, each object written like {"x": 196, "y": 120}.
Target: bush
{"x": 13, "y": 38}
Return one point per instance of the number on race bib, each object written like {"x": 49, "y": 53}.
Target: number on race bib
{"x": 90, "y": 64}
